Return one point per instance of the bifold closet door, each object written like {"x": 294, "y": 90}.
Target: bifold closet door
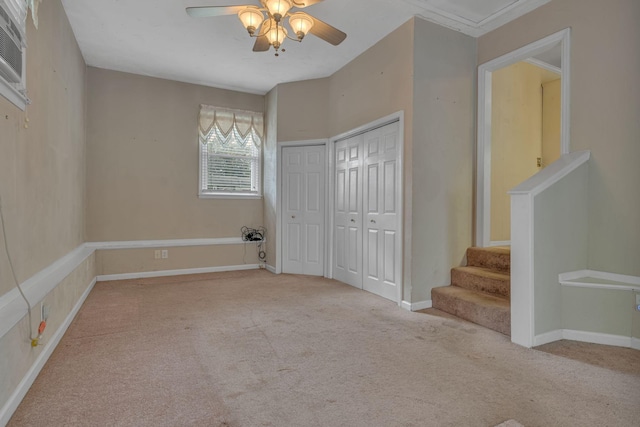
{"x": 381, "y": 199}
{"x": 303, "y": 174}
{"x": 368, "y": 185}
{"x": 347, "y": 266}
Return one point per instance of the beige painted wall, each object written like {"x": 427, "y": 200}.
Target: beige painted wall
{"x": 303, "y": 110}
{"x": 142, "y": 160}
{"x": 418, "y": 67}
{"x": 551, "y": 101}
{"x": 42, "y": 166}
{"x": 560, "y": 222}
{"x": 42, "y": 182}
{"x": 375, "y": 84}
{"x": 378, "y": 83}
{"x": 118, "y": 261}
{"x": 440, "y": 156}
{"x": 605, "y": 40}
{"x": 516, "y": 137}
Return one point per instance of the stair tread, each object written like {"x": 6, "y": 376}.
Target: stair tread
{"x": 475, "y": 296}
{"x": 495, "y": 249}
{"x": 485, "y": 272}
{"x": 495, "y": 257}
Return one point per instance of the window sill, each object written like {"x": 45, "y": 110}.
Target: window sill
{"x": 13, "y": 95}
{"x": 228, "y": 196}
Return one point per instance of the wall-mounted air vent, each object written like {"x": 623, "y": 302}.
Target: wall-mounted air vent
{"x": 10, "y": 49}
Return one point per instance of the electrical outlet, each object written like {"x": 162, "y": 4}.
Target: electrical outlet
{"x": 156, "y": 255}
{"x": 165, "y": 253}
{"x": 44, "y": 311}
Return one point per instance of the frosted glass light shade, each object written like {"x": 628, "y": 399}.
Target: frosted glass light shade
{"x": 275, "y": 33}
{"x": 251, "y": 18}
{"x": 278, "y": 8}
{"x": 300, "y": 23}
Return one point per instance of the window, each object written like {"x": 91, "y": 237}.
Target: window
{"x": 13, "y": 15}
{"x": 230, "y": 152}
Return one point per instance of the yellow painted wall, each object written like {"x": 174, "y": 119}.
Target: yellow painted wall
{"x": 516, "y": 137}
{"x": 550, "y": 122}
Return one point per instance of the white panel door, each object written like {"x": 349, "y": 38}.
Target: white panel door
{"x": 381, "y": 198}
{"x": 347, "y": 265}
{"x": 303, "y": 210}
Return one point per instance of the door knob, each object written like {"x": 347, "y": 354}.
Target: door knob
{"x": 353, "y": 220}
{"x": 293, "y": 216}
{"x": 373, "y": 221}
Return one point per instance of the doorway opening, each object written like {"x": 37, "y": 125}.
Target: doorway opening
{"x": 517, "y": 135}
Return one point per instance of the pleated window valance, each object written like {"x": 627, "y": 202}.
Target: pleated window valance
{"x": 230, "y": 124}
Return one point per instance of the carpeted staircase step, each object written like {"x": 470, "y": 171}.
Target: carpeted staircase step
{"x": 495, "y": 258}
{"x": 486, "y": 310}
{"x": 482, "y": 279}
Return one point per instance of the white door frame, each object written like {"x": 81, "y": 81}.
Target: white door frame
{"x": 485, "y": 72}
{"x": 279, "y": 222}
{"x": 330, "y": 205}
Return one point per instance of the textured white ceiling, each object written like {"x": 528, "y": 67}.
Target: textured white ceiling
{"x": 157, "y": 38}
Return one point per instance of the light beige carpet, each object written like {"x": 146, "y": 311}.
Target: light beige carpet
{"x": 254, "y": 349}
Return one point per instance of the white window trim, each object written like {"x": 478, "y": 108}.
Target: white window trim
{"x": 16, "y": 92}
{"x": 230, "y": 195}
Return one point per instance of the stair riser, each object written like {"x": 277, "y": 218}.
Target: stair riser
{"x": 495, "y": 318}
{"x": 498, "y": 287}
{"x": 486, "y": 258}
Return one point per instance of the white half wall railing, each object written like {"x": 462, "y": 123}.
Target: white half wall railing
{"x": 549, "y": 224}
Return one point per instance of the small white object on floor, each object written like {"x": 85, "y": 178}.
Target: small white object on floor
{"x": 510, "y": 423}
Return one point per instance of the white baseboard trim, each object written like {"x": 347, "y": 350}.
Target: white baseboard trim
{"x": 416, "y": 306}
{"x": 585, "y": 336}
{"x": 547, "y": 337}
{"x": 271, "y": 268}
{"x": 180, "y": 272}
{"x": 597, "y": 338}
{"x": 12, "y": 404}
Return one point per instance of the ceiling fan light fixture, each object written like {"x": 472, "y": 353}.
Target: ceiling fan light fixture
{"x": 251, "y": 17}
{"x": 275, "y": 34}
{"x": 301, "y": 23}
{"x": 278, "y": 8}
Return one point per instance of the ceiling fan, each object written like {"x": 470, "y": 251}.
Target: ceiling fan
{"x": 269, "y": 30}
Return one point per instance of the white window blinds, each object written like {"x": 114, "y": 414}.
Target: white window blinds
{"x": 18, "y": 11}
{"x": 230, "y": 151}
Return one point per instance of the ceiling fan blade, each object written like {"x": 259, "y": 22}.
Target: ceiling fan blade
{"x": 326, "y": 32}
{"x": 206, "y": 11}
{"x": 261, "y": 44}
{"x": 304, "y": 3}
